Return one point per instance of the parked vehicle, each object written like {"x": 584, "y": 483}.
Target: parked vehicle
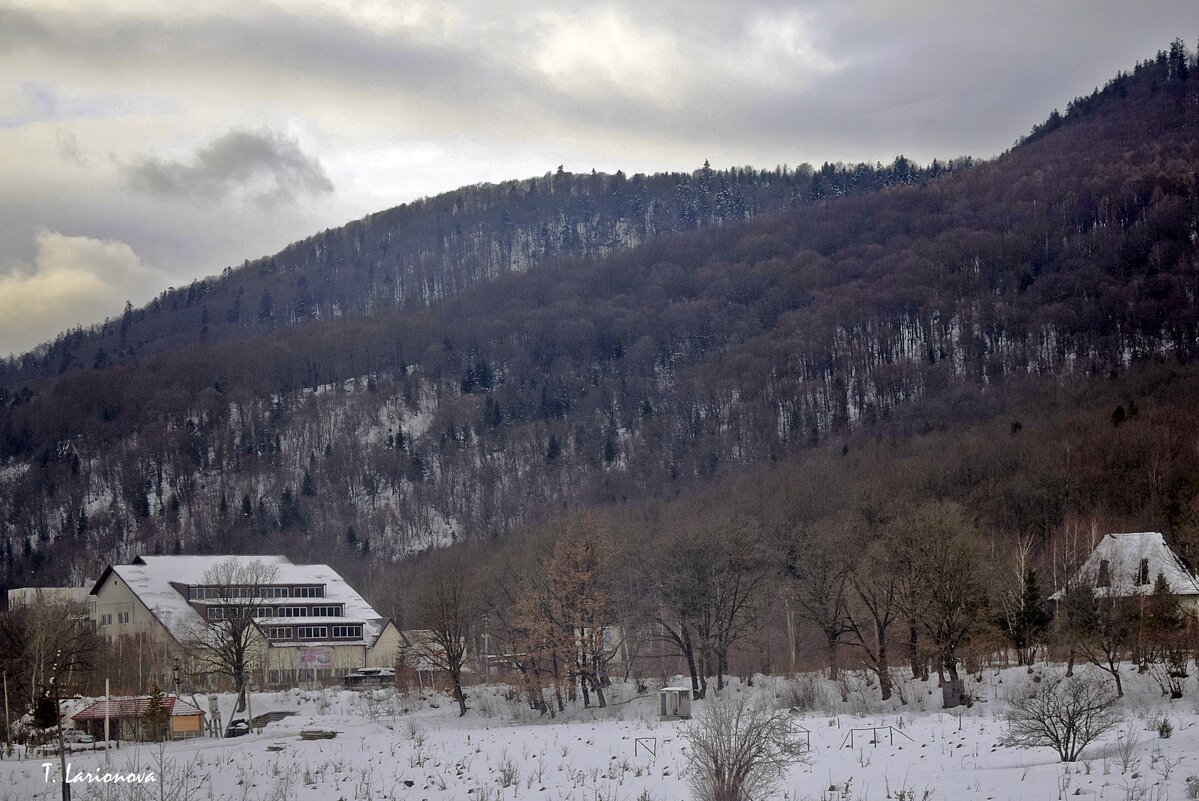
{"x": 77, "y": 737}
{"x": 237, "y": 728}
{"x": 371, "y": 677}
{"x": 73, "y": 740}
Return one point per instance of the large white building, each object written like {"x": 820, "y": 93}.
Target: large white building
{"x": 311, "y": 624}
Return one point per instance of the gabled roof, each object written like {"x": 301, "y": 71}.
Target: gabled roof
{"x": 151, "y": 578}
{"x": 1124, "y": 554}
{"x": 124, "y": 708}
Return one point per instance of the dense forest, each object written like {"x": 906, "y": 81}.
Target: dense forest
{"x": 416, "y": 254}
{"x": 791, "y": 347}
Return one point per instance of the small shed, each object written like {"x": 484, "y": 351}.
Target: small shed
{"x": 674, "y": 703}
{"x": 126, "y": 718}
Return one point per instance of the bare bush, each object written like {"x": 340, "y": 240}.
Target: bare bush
{"x": 805, "y": 693}
{"x": 415, "y": 732}
{"x": 1066, "y": 714}
{"x": 1126, "y": 748}
{"x": 739, "y": 750}
{"x": 509, "y": 771}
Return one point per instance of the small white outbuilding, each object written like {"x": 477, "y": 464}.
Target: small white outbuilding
{"x": 674, "y": 703}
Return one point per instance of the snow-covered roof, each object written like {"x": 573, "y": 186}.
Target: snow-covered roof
{"x": 1131, "y": 558}
{"x": 309, "y": 621}
{"x": 119, "y": 708}
{"x": 151, "y": 579}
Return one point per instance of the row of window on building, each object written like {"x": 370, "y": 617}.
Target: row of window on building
{"x": 313, "y": 632}
{"x": 106, "y": 618}
{"x": 234, "y": 612}
{"x": 205, "y": 593}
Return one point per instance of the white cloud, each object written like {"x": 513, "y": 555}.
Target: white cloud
{"x": 387, "y": 15}
{"x": 779, "y": 48}
{"x": 602, "y": 51}
{"x": 71, "y": 278}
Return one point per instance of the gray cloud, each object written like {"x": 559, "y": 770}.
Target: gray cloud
{"x": 69, "y": 148}
{"x": 389, "y": 101}
{"x": 263, "y": 165}
{"x": 926, "y": 77}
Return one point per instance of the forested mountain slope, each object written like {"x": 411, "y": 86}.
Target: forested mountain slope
{"x": 691, "y": 358}
{"x": 416, "y": 254}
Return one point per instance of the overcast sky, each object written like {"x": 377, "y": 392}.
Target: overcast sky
{"x": 144, "y": 144}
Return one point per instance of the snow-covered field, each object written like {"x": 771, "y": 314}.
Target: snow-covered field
{"x": 392, "y": 746}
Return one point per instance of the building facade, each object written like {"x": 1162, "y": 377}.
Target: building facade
{"x": 305, "y": 622}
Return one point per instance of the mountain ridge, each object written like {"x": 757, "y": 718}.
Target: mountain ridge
{"x": 686, "y": 361}
{"x": 413, "y": 254}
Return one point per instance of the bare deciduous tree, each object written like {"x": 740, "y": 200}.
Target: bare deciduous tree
{"x": 680, "y": 595}
{"x": 739, "y": 578}
{"x": 227, "y": 642}
{"x": 1063, "y": 713}
{"x": 945, "y": 596}
{"x": 45, "y": 641}
{"x": 1075, "y": 593}
{"x": 712, "y": 584}
{"x": 819, "y": 565}
{"x": 1104, "y": 627}
{"x": 449, "y": 606}
{"x": 874, "y": 608}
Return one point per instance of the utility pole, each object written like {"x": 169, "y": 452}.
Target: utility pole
{"x": 249, "y": 708}
{"x": 62, "y": 746}
{"x": 7, "y": 719}
{"x": 790, "y": 630}
{"x": 107, "y": 711}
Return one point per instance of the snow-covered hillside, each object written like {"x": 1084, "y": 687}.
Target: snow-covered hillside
{"x": 391, "y": 746}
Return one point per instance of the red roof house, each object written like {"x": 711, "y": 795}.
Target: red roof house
{"x": 126, "y": 718}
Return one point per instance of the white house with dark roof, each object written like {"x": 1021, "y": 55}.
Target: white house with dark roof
{"x": 313, "y": 625}
{"x": 1126, "y": 565}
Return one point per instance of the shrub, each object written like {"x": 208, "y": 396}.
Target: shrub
{"x": 806, "y": 693}
{"x": 1066, "y": 714}
{"x": 739, "y": 750}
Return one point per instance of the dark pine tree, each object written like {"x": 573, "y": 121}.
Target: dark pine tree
{"x": 1027, "y": 626}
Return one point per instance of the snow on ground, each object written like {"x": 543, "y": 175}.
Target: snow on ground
{"x": 392, "y": 746}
